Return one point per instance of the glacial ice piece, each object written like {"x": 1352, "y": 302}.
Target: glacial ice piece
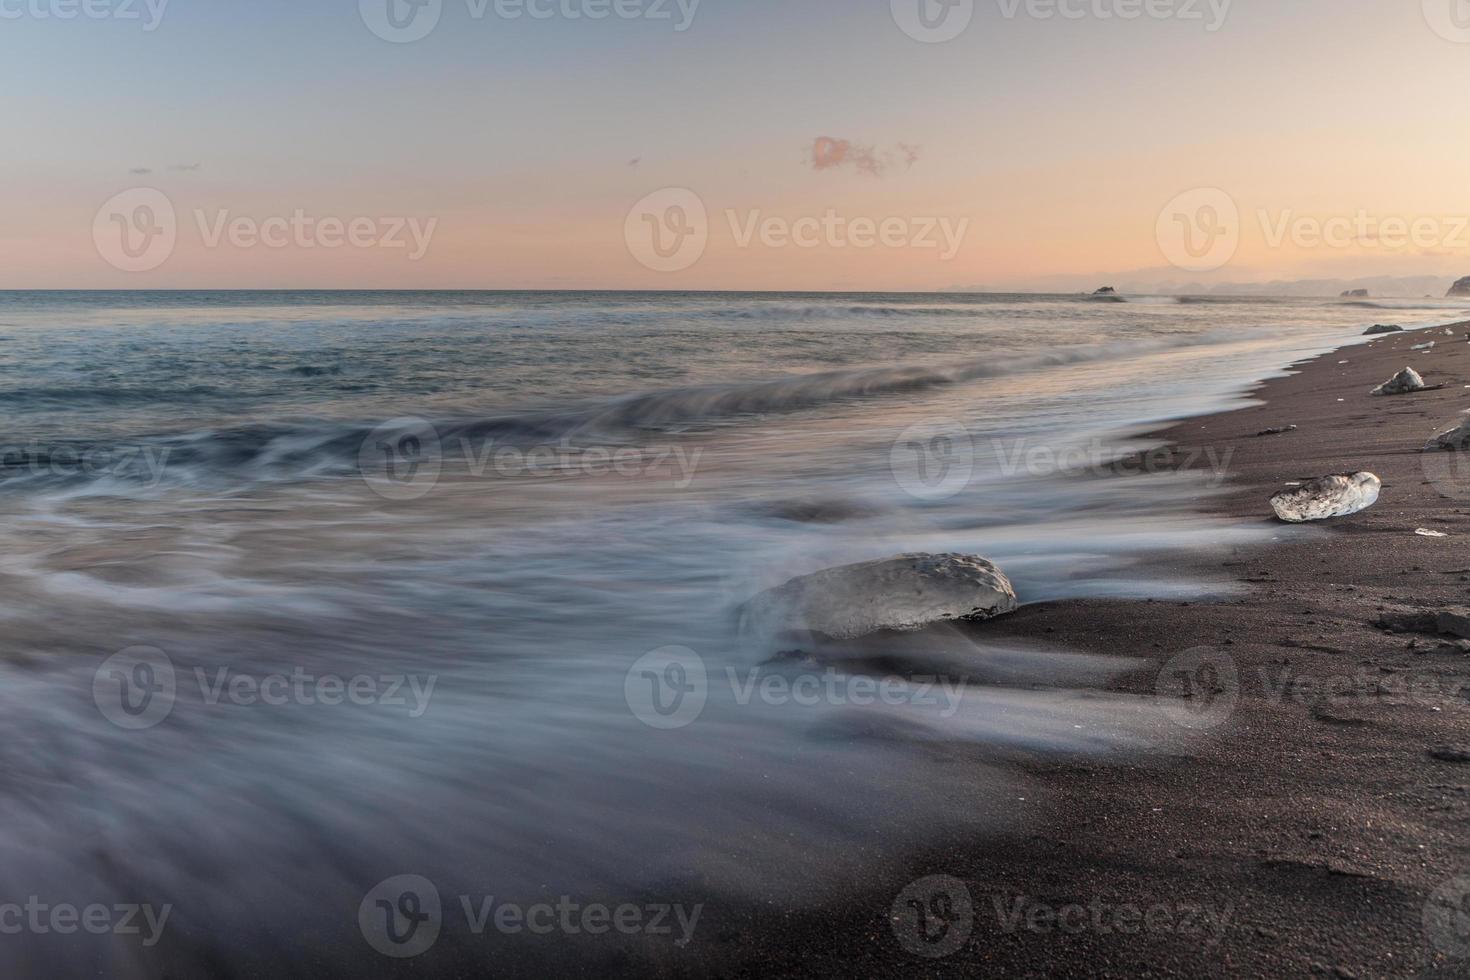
{"x": 1327, "y": 496}
{"x": 1402, "y": 383}
{"x": 905, "y": 593}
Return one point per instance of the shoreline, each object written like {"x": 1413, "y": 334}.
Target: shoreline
{"x": 1300, "y": 833}
{"x": 1316, "y": 808}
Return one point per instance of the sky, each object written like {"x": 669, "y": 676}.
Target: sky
{"x": 730, "y": 144}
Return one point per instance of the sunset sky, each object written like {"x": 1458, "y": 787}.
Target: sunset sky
{"x": 1056, "y": 142}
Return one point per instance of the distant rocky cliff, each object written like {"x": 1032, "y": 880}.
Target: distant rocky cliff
{"x": 1461, "y": 288}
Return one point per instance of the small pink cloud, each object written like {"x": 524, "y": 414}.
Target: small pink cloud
{"x": 833, "y": 153}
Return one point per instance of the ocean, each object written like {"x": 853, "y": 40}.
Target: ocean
{"x": 308, "y": 592}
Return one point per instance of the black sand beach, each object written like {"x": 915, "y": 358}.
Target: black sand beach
{"x": 1303, "y": 833}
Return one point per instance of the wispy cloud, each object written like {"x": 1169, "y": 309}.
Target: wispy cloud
{"x": 834, "y": 153}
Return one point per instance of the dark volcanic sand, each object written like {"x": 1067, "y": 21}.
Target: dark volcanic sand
{"x": 1319, "y": 826}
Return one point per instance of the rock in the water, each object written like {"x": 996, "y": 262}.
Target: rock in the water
{"x": 1402, "y": 383}
{"x": 1328, "y": 496}
{"x": 1379, "y": 328}
{"x": 1453, "y": 439}
{"x": 904, "y": 594}
{"x": 1461, "y": 288}
{"x": 1355, "y": 294}
{"x": 1105, "y": 291}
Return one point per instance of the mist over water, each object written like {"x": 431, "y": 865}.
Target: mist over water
{"x": 572, "y": 482}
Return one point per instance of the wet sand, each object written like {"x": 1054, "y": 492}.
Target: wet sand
{"x": 1299, "y": 832}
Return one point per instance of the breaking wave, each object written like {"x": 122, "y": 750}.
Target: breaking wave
{"x": 304, "y": 449}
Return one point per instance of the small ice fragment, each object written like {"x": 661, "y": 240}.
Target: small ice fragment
{"x": 1425, "y": 532}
